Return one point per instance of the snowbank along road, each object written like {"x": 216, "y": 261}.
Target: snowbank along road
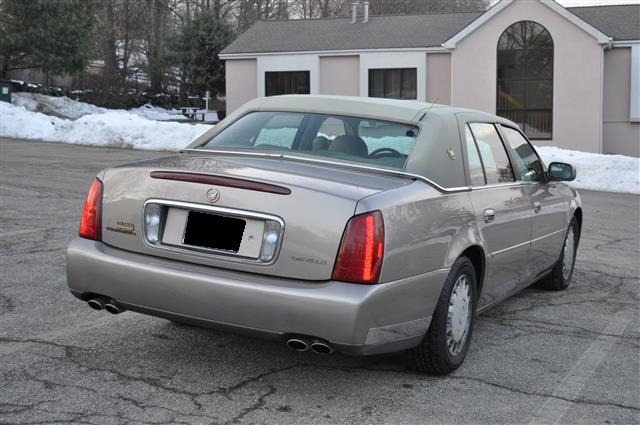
{"x": 540, "y": 357}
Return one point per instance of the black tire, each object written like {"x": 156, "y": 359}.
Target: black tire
{"x": 558, "y": 280}
{"x": 433, "y": 355}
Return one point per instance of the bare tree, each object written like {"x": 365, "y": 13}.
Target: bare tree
{"x": 155, "y": 33}
{"x": 388, "y": 7}
{"x": 107, "y": 30}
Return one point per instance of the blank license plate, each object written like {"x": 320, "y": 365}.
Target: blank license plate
{"x": 214, "y": 231}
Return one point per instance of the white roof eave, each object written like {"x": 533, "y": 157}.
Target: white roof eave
{"x": 502, "y": 4}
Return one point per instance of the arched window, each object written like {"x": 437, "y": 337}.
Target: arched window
{"x": 525, "y": 78}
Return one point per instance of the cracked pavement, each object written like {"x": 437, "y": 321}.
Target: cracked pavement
{"x": 563, "y": 357}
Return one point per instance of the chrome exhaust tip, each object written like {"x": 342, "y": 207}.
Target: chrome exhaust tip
{"x": 96, "y": 303}
{"x": 321, "y": 347}
{"x": 297, "y": 344}
{"x": 113, "y": 308}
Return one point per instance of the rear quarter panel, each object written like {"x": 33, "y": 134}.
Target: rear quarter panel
{"x": 425, "y": 230}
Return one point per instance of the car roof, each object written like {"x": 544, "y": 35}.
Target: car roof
{"x": 410, "y": 111}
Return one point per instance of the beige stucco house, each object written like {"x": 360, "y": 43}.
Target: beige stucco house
{"x": 569, "y": 76}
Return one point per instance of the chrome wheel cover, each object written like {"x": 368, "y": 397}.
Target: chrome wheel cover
{"x": 459, "y": 315}
{"x": 569, "y": 252}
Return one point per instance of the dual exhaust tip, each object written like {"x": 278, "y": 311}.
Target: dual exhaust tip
{"x": 316, "y": 345}
{"x": 103, "y": 303}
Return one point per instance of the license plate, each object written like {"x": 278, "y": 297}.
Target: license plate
{"x": 214, "y": 231}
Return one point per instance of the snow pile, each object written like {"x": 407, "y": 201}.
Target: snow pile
{"x": 65, "y": 107}
{"x": 62, "y": 107}
{"x": 608, "y": 173}
{"x": 157, "y": 113}
{"x": 113, "y": 128}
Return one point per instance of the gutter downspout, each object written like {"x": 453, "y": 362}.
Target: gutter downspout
{"x": 607, "y": 46}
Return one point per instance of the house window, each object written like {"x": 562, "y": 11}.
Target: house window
{"x": 398, "y": 83}
{"x": 525, "y": 78}
{"x": 287, "y": 82}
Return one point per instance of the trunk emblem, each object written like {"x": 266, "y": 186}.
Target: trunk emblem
{"x": 213, "y": 195}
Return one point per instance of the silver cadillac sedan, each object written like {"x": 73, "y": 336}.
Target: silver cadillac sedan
{"x": 358, "y": 225}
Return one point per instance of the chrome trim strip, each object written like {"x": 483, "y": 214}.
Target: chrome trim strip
{"x": 205, "y": 252}
{"x": 510, "y": 248}
{"x": 401, "y": 174}
{"x": 547, "y": 235}
{"x": 498, "y": 185}
{"x": 525, "y": 243}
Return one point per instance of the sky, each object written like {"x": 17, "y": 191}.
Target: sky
{"x": 572, "y": 3}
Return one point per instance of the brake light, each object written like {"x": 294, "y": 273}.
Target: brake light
{"x": 361, "y": 250}
{"x": 91, "y": 219}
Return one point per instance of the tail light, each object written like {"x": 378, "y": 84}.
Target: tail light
{"x": 361, "y": 250}
{"x": 91, "y": 219}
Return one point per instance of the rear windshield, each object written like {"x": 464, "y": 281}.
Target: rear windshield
{"x": 363, "y": 140}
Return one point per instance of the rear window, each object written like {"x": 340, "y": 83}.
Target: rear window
{"x": 374, "y": 142}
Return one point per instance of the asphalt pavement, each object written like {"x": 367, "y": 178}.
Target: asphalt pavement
{"x": 539, "y": 357}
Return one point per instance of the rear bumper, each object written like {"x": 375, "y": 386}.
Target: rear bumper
{"x": 356, "y": 319}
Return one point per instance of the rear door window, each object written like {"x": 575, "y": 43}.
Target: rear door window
{"x": 476, "y": 173}
{"x": 497, "y": 168}
{"x": 529, "y": 164}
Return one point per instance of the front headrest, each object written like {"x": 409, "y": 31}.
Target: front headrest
{"x": 352, "y": 145}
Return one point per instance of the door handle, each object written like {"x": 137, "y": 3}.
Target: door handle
{"x": 537, "y": 206}
{"x": 489, "y": 215}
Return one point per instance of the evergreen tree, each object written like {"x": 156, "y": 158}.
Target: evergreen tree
{"x": 196, "y": 49}
{"x": 53, "y": 35}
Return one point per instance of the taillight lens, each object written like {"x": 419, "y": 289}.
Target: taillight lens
{"x": 91, "y": 219}
{"x": 361, "y": 250}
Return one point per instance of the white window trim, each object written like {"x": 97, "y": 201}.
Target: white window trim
{"x": 309, "y": 63}
{"x": 391, "y": 60}
{"x": 634, "y": 102}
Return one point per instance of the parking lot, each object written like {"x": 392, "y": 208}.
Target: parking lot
{"x": 540, "y": 357}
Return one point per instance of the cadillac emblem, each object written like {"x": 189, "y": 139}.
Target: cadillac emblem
{"x": 213, "y": 195}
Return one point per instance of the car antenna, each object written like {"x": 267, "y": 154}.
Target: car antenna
{"x": 429, "y": 108}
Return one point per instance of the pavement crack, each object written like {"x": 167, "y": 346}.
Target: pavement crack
{"x": 548, "y": 327}
{"x": 257, "y": 405}
{"x": 41, "y": 341}
{"x": 538, "y": 394}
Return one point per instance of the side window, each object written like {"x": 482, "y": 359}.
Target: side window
{"x": 475, "y": 166}
{"x": 529, "y": 163}
{"x": 497, "y": 167}
{"x": 279, "y": 131}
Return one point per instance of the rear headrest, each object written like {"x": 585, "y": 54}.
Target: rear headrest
{"x": 352, "y": 145}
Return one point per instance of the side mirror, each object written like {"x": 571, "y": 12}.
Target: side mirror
{"x": 559, "y": 171}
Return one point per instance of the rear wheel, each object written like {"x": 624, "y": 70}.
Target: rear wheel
{"x": 562, "y": 271}
{"x": 445, "y": 345}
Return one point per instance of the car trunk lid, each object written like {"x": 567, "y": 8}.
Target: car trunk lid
{"x": 308, "y": 204}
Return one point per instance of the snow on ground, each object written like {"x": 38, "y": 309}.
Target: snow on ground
{"x": 115, "y": 128}
{"x": 608, "y": 173}
{"x": 65, "y": 107}
{"x": 134, "y": 129}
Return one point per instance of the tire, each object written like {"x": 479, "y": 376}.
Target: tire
{"x": 560, "y": 276}
{"x": 434, "y": 354}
